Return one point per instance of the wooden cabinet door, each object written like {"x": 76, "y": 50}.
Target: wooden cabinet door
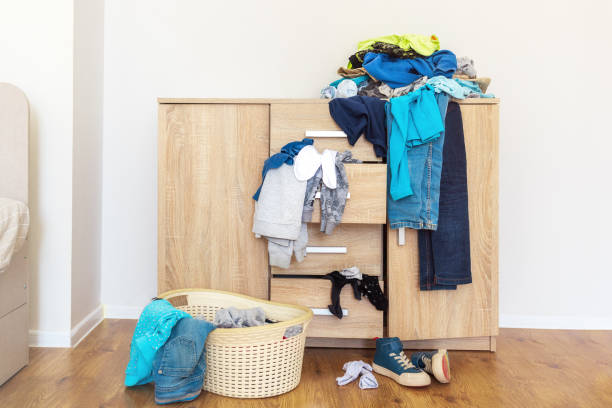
{"x": 210, "y": 159}
{"x": 472, "y": 309}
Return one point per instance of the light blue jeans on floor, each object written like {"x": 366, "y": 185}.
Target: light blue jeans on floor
{"x": 420, "y": 210}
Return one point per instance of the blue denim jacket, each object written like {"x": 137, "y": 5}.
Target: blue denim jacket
{"x": 179, "y": 366}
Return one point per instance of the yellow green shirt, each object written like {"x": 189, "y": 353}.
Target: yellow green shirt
{"x": 423, "y": 44}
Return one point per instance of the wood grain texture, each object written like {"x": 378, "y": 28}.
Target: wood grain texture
{"x": 267, "y": 101}
{"x": 471, "y": 310}
{"x": 532, "y": 368}
{"x": 210, "y": 158}
{"x": 468, "y": 343}
{"x": 364, "y": 245}
{"x": 368, "y": 201}
{"x": 363, "y": 320}
{"x": 288, "y": 122}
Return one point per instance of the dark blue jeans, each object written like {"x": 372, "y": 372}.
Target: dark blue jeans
{"x": 179, "y": 366}
{"x": 444, "y": 254}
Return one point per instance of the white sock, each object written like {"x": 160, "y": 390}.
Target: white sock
{"x": 306, "y": 163}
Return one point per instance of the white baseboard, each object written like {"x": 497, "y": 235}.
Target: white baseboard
{"x": 67, "y": 339}
{"x": 42, "y": 338}
{"x": 122, "y": 312}
{"x": 85, "y": 326}
{"x": 555, "y": 322}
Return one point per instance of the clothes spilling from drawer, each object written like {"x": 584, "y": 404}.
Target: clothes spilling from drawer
{"x": 396, "y": 91}
{"x": 362, "y": 285}
{"x": 285, "y": 200}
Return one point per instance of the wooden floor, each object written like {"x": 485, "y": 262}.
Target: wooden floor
{"x": 532, "y": 368}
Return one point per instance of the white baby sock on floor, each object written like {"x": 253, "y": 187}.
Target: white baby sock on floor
{"x": 353, "y": 369}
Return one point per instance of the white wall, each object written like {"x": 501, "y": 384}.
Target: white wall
{"x": 87, "y": 157}
{"x": 36, "y": 43}
{"x": 548, "y": 61}
{"x": 53, "y": 51}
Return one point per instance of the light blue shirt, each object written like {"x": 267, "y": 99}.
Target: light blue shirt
{"x": 457, "y": 88}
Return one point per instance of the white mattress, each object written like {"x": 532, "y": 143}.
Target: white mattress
{"x": 14, "y": 225}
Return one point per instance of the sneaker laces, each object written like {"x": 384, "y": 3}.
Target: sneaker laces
{"x": 402, "y": 360}
{"x": 427, "y": 362}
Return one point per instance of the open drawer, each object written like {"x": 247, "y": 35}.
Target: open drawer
{"x": 295, "y": 121}
{"x": 367, "y": 198}
{"x": 349, "y": 245}
{"x": 361, "y": 320}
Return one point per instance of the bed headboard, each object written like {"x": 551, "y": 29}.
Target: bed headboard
{"x": 14, "y": 122}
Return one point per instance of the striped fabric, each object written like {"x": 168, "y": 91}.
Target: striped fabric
{"x": 14, "y": 225}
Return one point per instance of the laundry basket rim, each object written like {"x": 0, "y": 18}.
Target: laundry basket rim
{"x": 286, "y": 323}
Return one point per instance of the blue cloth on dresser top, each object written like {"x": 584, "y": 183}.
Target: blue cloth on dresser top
{"x": 152, "y": 330}
{"x": 457, "y": 88}
{"x": 359, "y": 115}
{"x": 401, "y": 72}
{"x": 357, "y": 80}
{"x": 473, "y": 86}
{"x": 286, "y": 155}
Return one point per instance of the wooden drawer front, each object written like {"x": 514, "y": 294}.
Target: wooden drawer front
{"x": 361, "y": 244}
{"x": 362, "y": 322}
{"x": 290, "y": 122}
{"x": 367, "y": 202}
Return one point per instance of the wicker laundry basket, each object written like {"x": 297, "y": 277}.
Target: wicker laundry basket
{"x": 253, "y": 362}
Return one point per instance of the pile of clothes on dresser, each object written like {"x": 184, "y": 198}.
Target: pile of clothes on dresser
{"x": 395, "y": 65}
{"x": 399, "y": 91}
{"x": 168, "y": 347}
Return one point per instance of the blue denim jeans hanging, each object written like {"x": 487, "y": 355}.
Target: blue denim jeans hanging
{"x": 420, "y": 210}
{"x": 444, "y": 254}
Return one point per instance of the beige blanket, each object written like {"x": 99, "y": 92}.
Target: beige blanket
{"x": 14, "y": 225}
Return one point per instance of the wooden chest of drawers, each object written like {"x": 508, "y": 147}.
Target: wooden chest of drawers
{"x": 210, "y": 157}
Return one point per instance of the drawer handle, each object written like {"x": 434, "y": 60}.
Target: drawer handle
{"x": 318, "y": 195}
{"x": 326, "y": 250}
{"x": 326, "y": 312}
{"x": 325, "y": 133}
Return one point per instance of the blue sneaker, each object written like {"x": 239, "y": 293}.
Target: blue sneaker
{"x": 390, "y": 361}
{"x": 433, "y": 362}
